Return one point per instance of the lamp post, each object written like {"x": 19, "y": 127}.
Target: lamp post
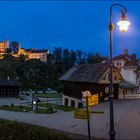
{"x": 123, "y": 24}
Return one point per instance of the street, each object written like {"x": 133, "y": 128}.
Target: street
{"x": 127, "y": 120}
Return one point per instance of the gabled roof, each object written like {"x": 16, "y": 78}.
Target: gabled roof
{"x": 85, "y": 73}
{"x": 132, "y": 63}
{"x": 123, "y": 56}
{"x": 37, "y": 51}
{"x": 126, "y": 85}
{"x": 5, "y": 82}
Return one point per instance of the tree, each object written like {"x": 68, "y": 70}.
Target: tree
{"x": 81, "y": 57}
{"x": 50, "y": 58}
{"x": 57, "y": 55}
{"x": 94, "y": 58}
{"x": 22, "y": 58}
{"x": 15, "y": 46}
{"x": 66, "y": 56}
{"x": 72, "y": 57}
{"x": 7, "y": 70}
{"x": 9, "y": 57}
{"x": 33, "y": 73}
{"x": 90, "y": 58}
{"x": 79, "y": 54}
{"x": 8, "y": 50}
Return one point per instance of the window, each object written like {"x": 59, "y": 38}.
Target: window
{"x": 115, "y": 78}
{"x": 72, "y": 103}
{"x": 66, "y": 101}
{"x": 104, "y": 77}
{"x": 80, "y": 105}
{"x": 118, "y": 64}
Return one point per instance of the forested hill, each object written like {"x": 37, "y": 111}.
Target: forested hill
{"x": 35, "y": 74}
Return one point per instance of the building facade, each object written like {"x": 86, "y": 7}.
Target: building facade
{"x": 3, "y": 46}
{"x": 91, "y": 77}
{"x": 130, "y": 71}
{"x": 38, "y": 54}
{"x": 9, "y": 88}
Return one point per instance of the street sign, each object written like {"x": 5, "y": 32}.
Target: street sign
{"x": 97, "y": 112}
{"x": 81, "y": 114}
{"x": 86, "y": 93}
{"x": 106, "y": 89}
{"x": 93, "y": 99}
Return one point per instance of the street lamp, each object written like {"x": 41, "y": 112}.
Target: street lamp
{"x": 123, "y": 24}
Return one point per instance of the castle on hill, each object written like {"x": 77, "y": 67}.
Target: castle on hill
{"x": 30, "y": 53}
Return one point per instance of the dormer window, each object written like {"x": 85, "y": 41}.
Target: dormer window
{"x": 118, "y": 64}
{"x": 115, "y": 78}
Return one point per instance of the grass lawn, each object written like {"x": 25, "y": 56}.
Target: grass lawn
{"x": 60, "y": 107}
{"x": 11, "y": 130}
{"x": 25, "y": 109}
{"x": 50, "y": 95}
{"x": 15, "y": 108}
{"x": 40, "y": 110}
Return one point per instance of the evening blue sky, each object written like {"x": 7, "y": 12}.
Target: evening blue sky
{"x": 69, "y": 24}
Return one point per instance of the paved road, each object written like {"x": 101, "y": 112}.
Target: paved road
{"x": 16, "y": 101}
{"x": 127, "y": 120}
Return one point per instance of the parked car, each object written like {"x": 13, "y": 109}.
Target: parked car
{"x": 49, "y": 90}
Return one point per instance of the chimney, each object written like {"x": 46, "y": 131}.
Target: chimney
{"x": 105, "y": 61}
{"x": 125, "y": 52}
{"x": 133, "y": 56}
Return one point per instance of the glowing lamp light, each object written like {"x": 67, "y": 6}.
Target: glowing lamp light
{"x": 34, "y": 102}
{"x": 123, "y": 25}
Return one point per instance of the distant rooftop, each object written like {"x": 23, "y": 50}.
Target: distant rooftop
{"x": 5, "y": 82}
{"x": 37, "y": 51}
{"x": 130, "y": 58}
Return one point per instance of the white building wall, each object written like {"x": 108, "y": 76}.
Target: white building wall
{"x": 41, "y": 56}
{"x": 129, "y": 75}
{"x": 121, "y": 62}
{"x": 71, "y": 99}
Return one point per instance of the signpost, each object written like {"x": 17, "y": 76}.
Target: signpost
{"x": 86, "y": 93}
{"x": 81, "y": 114}
{"x": 93, "y": 99}
{"x": 106, "y": 89}
{"x": 85, "y": 114}
{"x": 88, "y": 122}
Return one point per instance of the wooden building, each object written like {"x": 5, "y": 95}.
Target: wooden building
{"x": 9, "y": 88}
{"x": 91, "y": 77}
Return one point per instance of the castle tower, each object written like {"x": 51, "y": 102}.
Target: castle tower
{"x": 4, "y": 45}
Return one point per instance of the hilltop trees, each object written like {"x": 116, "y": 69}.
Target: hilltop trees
{"x": 35, "y": 74}
{"x": 71, "y": 57}
{"x": 14, "y": 46}
{"x": 32, "y": 73}
{"x": 7, "y": 70}
{"x": 57, "y": 55}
